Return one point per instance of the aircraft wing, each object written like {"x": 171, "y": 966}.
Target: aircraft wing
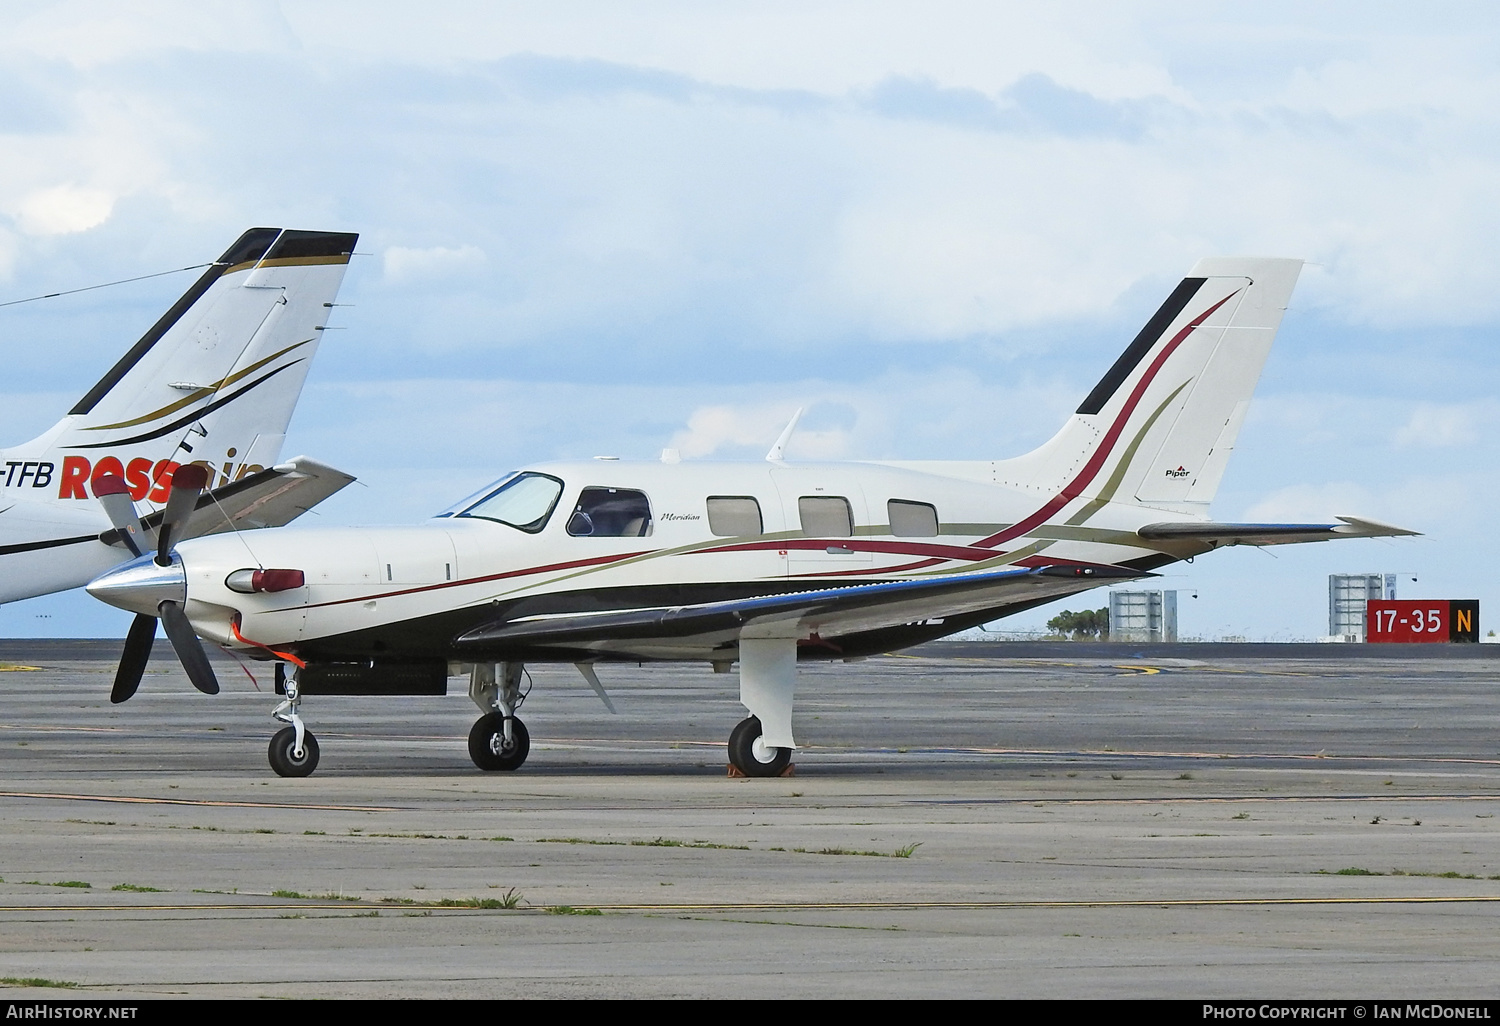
{"x": 829, "y": 612}
{"x": 1216, "y": 535}
{"x": 267, "y": 498}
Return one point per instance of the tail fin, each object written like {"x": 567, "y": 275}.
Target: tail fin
{"x": 215, "y": 380}
{"x": 1158, "y": 428}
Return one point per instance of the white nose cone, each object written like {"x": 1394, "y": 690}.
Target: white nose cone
{"x": 141, "y": 585}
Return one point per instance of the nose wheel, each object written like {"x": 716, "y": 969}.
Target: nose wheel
{"x": 285, "y": 758}
{"x": 493, "y": 747}
{"x": 751, "y": 756}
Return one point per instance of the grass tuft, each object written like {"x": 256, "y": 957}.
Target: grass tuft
{"x": 667, "y": 842}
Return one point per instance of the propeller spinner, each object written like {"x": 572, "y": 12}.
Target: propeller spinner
{"x": 155, "y": 587}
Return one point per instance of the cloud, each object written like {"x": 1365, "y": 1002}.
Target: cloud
{"x": 730, "y": 430}
{"x": 1441, "y": 426}
{"x": 63, "y": 209}
{"x": 1034, "y": 103}
{"x": 404, "y": 264}
{"x": 1313, "y": 504}
{"x": 88, "y": 34}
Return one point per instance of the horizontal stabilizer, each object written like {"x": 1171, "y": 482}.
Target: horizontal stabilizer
{"x": 268, "y": 498}
{"x": 828, "y": 611}
{"x": 1215, "y": 535}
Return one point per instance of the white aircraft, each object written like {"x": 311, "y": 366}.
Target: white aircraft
{"x": 757, "y": 563}
{"x": 213, "y": 382}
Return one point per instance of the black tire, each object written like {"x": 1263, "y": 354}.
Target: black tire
{"x": 487, "y": 743}
{"x": 284, "y": 762}
{"x": 742, "y": 752}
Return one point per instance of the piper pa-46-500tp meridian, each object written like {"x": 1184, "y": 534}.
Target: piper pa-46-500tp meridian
{"x": 757, "y": 563}
{"x": 213, "y": 382}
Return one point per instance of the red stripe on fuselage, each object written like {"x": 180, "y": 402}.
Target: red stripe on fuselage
{"x": 481, "y": 580}
{"x": 1091, "y": 469}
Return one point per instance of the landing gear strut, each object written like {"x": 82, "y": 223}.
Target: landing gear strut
{"x": 749, "y": 753}
{"x": 498, "y": 740}
{"x": 294, "y": 750}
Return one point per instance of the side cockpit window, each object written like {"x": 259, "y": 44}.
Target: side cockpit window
{"x": 522, "y": 501}
{"x": 912, "y": 519}
{"x": 734, "y": 516}
{"x": 610, "y": 513}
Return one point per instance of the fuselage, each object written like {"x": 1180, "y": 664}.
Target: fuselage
{"x": 46, "y": 544}
{"x": 50, "y": 522}
{"x": 628, "y": 534}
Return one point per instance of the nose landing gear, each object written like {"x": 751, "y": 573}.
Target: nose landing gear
{"x": 294, "y": 750}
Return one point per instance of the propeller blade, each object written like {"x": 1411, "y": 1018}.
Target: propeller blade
{"x": 187, "y": 482}
{"x": 133, "y": 659}
{"x": 114, "y": 495}
{"x": 189, "y": 649}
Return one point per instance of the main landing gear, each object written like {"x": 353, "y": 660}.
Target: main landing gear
{"x": 762, "y": 744}
{"x": 498, "y": 740}
{"x": 749, "y": 753}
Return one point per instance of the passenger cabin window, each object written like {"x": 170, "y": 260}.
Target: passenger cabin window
{"x": 734, "y": 516}
{"x": 610, "y": 513}
{"x": 912, "y": 519}
{"x": 826, "y": 516}
{"x": 522, "y": 501}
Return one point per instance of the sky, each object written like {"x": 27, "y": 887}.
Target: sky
{"x": 604, "y": 228}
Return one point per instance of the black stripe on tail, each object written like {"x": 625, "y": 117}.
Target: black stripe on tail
{"x": 1148, "y": 337}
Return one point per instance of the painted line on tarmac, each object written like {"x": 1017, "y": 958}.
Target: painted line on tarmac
{"x": 134, "y": 800}
{"x": 1211, "y": 799}
{"x": 780, "y": 906}
{"x": 1107, "y": 754}
{"x": 834, "y": 906}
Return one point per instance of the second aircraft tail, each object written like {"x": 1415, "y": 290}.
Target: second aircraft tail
{"x": 214, "y": 381}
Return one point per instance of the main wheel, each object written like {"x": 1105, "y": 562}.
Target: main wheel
{"x": 753, "y": 758}
{"x": 284, "y": 762}
{"x": 487, "y": 745}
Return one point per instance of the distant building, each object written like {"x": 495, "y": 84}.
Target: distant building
{"x": 1347, "y": 595}
{"x": 1143, "y": 616}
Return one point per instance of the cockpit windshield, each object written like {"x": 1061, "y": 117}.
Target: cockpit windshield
{"x": 520, "y": 500}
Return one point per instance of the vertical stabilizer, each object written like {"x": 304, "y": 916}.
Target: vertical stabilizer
{"x": 214, "y": 381}
{"x": 1158, "y": 428}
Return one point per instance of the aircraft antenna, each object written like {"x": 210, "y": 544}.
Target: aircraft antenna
{"x": 105, "y": 285}
{"x": 778, "y": 451}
